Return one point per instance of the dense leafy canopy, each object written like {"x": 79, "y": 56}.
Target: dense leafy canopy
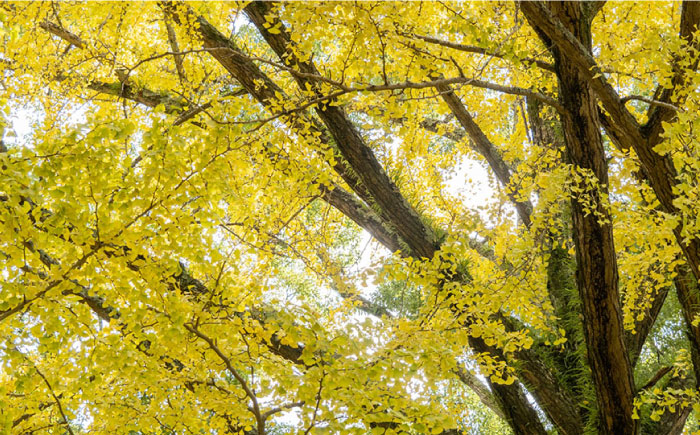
{"x": 265, "y": 218}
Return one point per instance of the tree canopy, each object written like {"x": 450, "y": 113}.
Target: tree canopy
{"x": 261, "y": 218}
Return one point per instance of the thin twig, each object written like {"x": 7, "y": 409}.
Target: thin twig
{"x": 477, "y": 50}
{"x": 53, "y": 394}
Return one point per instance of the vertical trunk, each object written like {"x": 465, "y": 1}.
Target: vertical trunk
{"x": 596, "y": 276}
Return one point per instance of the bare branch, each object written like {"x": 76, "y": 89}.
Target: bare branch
{"x": 656, "y": 378}
{"x": 658, "y": 114}
{"x": 53, "y": 394}
{"x": 650, "y": 101}
{"x": 487, "y": 149}
{"x": 172, "y": 38}
{"x": 480, "y": 389}
{"x": 464, "y": 81}
{"x": 479, "y": 50}
{"x": 62, "y": 33}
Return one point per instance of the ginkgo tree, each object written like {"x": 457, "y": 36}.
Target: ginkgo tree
{"x": 242, "y": 217}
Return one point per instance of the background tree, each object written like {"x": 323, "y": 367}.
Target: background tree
{"x": 240, "y": 218}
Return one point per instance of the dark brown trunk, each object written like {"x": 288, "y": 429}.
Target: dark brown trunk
{"x": 686, "y": 288}
{"x": 596, "y": 276}
{"x": 520, "y": 415}
{"x": 556, "y": 402}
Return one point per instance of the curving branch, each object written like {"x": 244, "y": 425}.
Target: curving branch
{"x": 315, "y": 76}
{"x": 56, "y": 398}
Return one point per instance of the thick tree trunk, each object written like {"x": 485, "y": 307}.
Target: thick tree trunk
{"x": 596, "y": 276}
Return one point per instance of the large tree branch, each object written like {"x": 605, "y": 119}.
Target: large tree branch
{"x": 520, "y": 414}
{"x": 301, "y": 73}
{"x": 487, "y": 149}
{"x": 619, "y": 123}
{"x": 266, "y": 92}
{"x": 335, "y": 196}
{"x": 62, "y": 33}
{"x": 592, "y": 8}
{"x": 517, "y": 410}
{"x": 520, "y": 393}
{"x": 551, "y": 28}
{"x": 627, "y": 134}
{"x": 481, "y": 390}
{"x": 689, "y": 298}
{"x": 559, "y": 405}
{"x": 172, "y": 39}
{"x": 355, "y": 151}
{"x": 635, "y": 342}
{"x": 129, "y": 91}
{"x": 664, "y": 112}
{"x": 361, "y": 215}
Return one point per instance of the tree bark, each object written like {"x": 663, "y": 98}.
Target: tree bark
{"x": 418, "y": 236}
{"x": 596, "y": 275}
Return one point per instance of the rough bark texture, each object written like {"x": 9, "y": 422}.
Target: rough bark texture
{"x": 519, "y": 413}
{"x": 635, "y": 342}
{"x": 561, "y": 282}
{"x": 361, "y": 215}
{"x": 627, "y": 134}
{"x": 521, "y": 417}
{"x": 619, "y": 123}
{"x": 266, "y": 92}
{"x": 396, "y": 225}
{"x": 596, "y": 276}
{"x": 353, "y": 148}
{"x": 377, "y": 205}
{"x": 551, "y": 395}
{"x": 686, "y": 286}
